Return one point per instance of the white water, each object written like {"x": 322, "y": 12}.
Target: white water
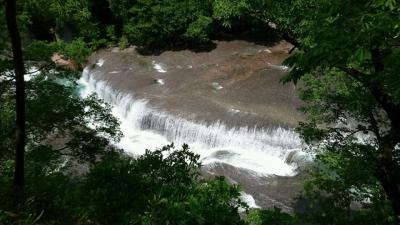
{"x": 160, "y": 81}
{"x": 100, "y": 62}
{"x": 217, "y": 86}
{"x": 279, "y": 67}
{"x": 159, "y": 67}
{"x": 249, "y": 200}
{"x": 31, "y": 73}
{"x": 262, "y": 150}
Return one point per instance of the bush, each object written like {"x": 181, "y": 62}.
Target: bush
{"x": 271, "y": 217}
{"x": 199, "y": 30}
{"x": 151, "y": 23}
{"x": 123, "y": 42}
{"x": 77, "y": 50}
{"x": 160, "y": 187}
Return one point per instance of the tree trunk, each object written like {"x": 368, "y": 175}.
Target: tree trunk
{"x": 389, "y": 181}
{"x": 388, "y": 172}
{"x": 20, "y": 93}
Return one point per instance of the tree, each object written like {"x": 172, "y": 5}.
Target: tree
{"x": 357, "y": 44}
{"x": 348, "y": 58}
{"x": 19, "y": 68}
{"x": 20, "y": 127}
{"x": 60, "y": 143}
{"x": 63, "y": 20}
{"x": 150, "y": 23}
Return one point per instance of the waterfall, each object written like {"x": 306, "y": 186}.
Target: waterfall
{"x": 260, "y": 149}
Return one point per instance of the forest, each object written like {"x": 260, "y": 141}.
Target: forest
{"x": 58, "y": 160}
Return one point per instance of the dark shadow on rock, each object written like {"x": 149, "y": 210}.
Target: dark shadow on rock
{"x": 257, "y": 32}
{"x": 179, "y": 46}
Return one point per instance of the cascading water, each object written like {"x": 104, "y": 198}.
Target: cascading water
{"x": 259, "y": 149}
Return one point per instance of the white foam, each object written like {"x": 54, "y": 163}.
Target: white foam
{"x": 160, "y": 82}
{"x": 100, "y": 62}
{"x": 264, "y": 50}
{"x": 234, "y": 111}
{"x": 249, "y": 200}
{"x": 279, "y": 67}
{"x": 217, "y": 86}
{"x": 32, "y": 72}
{"x": 261, "y": 150}
{"x": 160, "y": 68}
{"x": 267, "y": 50}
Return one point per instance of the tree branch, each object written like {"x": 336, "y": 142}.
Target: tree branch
{"x": 374, "y": 125}
{"x": 384, "y": 99}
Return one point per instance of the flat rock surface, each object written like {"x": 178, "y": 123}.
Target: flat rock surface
{"x": 238, "y": 82}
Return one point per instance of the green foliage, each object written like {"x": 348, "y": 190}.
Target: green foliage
{"x": 334, "y": 37}
{"x": 77, "y": 50}
{"x": 146, "y": 23}
{"x": 199, "y": 30}
{"x": 226, "y": 11}
{"x": 343, "y": 190}
{"x": 272, "y": 217}
{"x": 123, "y": 42}
{"x": 40, "y": 51}
{"x": 160, "y": 187}
{"x": 347, "y": 62}
{"x": 3, "y": 27}
{"x": 111, "y": 34}
{"x": 150, "y": 23}
{"x": 55, "y": 112}
{"x": 57, "y": 16}
{"x": 57, "y": 119}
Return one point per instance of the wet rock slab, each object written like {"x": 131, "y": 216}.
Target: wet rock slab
{"x": 237, "y": 83}
{"x": 268, "y": 191}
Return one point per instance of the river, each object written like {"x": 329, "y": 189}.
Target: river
{"x": 226, "y": 104}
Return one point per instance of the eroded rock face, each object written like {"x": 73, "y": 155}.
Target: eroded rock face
{"x": 60, "y": 61}
{"x": 227, "y": 103}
